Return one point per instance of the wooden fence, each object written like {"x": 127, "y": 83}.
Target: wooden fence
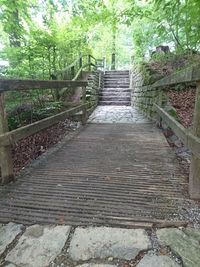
{"x": 8, "y": 138}
{"x": 73, "y": 71}
{"x": 151, "y": 100}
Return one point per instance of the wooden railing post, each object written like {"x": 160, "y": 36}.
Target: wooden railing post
{"x": 80, "y": 62}
{"x": 104, "y": 63}
{"x": 113, "y": 62}
{"x": 89, "y": 62}
{"x": 159, "y": 103}
{"x": 84, "y": 110}
{"x": 160, "y": 98}
{"x": 194, "y": 180}
{"x": 7, "y": 173}
{"x": 72, "y": 72}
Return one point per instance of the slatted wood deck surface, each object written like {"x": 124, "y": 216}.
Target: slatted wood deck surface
{"x": 109, "y": 174}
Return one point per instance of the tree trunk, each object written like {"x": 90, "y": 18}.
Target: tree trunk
{"x": 113, "y": 59}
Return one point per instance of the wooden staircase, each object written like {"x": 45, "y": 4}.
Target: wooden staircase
{"x": 116, "y": 89}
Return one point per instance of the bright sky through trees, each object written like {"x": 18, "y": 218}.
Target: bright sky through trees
{"x": 40, "y": 36}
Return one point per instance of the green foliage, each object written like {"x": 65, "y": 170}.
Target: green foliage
{"x": 40, "y": 37}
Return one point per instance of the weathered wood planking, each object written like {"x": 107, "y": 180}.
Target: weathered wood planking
{"x": 108, "y": 174}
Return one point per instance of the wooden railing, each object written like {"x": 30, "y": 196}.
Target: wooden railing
{"x": 74, "y": 70}
{"x": 9, "y": 138}
{"x": 66, "y": 78}
{"x": 190, "y": 138}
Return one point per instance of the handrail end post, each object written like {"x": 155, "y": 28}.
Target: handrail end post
{"x": 89, "y": 62}
{"x": 7, "y": 173}
{"x": 194, "y": 178}
{"x": 84, "y": 109}
{"x": 84, "y": 115}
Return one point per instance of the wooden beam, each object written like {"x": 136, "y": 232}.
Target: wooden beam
{"x": 188, "y": 138}
{"x": 9, "y": 85}
{"x": 12, "y": 137}
{"x": 194, "y": 181}
{"x": 6, "y": 164}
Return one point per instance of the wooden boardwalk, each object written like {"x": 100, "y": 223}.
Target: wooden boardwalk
{"x": 109, "y": 174}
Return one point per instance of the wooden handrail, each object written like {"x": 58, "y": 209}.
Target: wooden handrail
{"x": 8, "y": 138}
{"x": 73, "y": 63}
{"x": 74, "y": 74}
{"x": 187, "y": 75}
{"x": 93, "y": 58}
{"x": 10, "y": 85}
{"x": 185, "y": 135}
{"x": 79, "y": 71}
{"x": 154, "y": 93}
{"x": 14, "y": 136}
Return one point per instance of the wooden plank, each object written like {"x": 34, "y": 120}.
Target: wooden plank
{"x": 23, "y": 132}
{"x": 189, "y": 139}
{"x": 9, "y": 85}
{"x": 194, "y": 181}
{"x": 7, "y": 174}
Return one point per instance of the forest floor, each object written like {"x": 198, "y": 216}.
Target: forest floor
{"x": 28, "y": 149}
{"x": 183, "y": 101}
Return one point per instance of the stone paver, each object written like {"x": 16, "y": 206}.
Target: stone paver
{"x": 103, "y": 242}
{"x": 7, "y": 235}
{"x": 39, "y": 245}
{"x": 185, "y": 242}
{"x": 96, "y": 265}
{"x": 100, "y": 246}
{"x": 117, "y": 114}
{"x": 157, "y": 261}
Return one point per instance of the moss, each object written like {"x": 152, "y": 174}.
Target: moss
{"x": 171, "y": 111}
{"x": 142, "y": 68}
{"x": 149, "y": 75}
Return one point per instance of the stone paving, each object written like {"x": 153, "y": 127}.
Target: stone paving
{"x": 65, "y": 246}
{"x": 117, "y": 114}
